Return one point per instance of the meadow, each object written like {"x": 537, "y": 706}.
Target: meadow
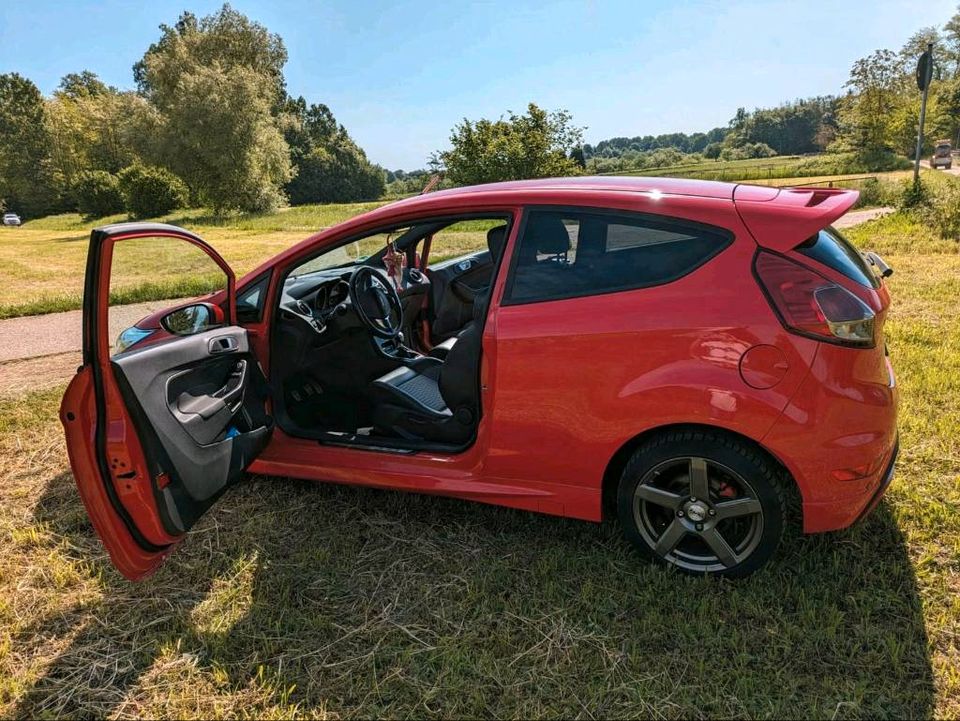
{"x": 305, "y": 600}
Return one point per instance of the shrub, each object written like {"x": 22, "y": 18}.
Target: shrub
{"x": 98, "y": 194}
{"x": 149, "y": 191}
{"x": 913, "y": 195}
{"x": 938, "y": 205}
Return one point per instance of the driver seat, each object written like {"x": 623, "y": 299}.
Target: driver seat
{"x": 433, "y": 400}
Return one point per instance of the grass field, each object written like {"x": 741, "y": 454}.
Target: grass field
{"x": 292, "y": 599}
{"x": 780, "y": 167}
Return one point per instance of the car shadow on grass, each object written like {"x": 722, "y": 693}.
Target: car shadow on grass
{"x": 292, "y": 596}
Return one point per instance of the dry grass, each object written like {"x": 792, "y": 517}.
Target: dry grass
{"x": 296, "y": 599}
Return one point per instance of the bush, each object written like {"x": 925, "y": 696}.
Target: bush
{"x": 937, "y": 205}
{"x": 98, "y": 194}
{"x": 747, "y": 151}
{"x": 913, "y": 195}
{"x": 149, "y": 191}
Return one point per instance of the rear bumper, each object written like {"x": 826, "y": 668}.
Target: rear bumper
{"x": 838, "y": 436}
{"x": 885, "y": 482}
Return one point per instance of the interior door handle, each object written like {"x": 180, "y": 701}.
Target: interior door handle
{"x": 222, "y": 344}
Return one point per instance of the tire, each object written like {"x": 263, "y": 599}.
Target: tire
{"x": 733, "y": 532}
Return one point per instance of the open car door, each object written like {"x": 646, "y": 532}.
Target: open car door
{"x": 156, "y": 433}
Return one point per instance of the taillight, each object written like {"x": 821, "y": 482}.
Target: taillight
{"x": 811, "y": 305}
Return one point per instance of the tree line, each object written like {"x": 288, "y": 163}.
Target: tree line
{"x": 210, "y": 123}
{"x": 876, "y": 116}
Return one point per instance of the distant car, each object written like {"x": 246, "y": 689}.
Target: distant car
{"x": 686, "y": 355}
{"x": 11, "y": 219}
{"x": 942, "y": 157}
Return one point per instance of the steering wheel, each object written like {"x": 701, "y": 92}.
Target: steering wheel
{"x": 376, "y": 301}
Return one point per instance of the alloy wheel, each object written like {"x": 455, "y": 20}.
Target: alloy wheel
{"x": 698, "y": 514}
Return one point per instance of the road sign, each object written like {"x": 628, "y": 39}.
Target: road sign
{"x": 924, "y": 76}
{"x": 925, "y": 70}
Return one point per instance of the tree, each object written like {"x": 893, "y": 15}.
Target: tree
{"x": 866, "y": 113}
{"x": 26, "y": 183}
{"x": 93, "y": 127}
{"x": 330, "y": 167}
{"x": 535, "y": 145}
{"x": 227, "y": 38}
{"x": 951, "y": 43}
{"x": 220, "y": 137}
{"x": 82, "y": 85}
{"x": 217, "y": 86}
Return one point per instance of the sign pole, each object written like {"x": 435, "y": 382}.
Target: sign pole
{"x": 924, "y": 75}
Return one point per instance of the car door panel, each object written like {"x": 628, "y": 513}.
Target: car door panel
{"x": 454, "y": 286}
{"x": 157, "y": 433}
{"x": 178, "y": 388}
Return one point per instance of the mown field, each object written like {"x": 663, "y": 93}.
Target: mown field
{"x": 780, "y": 167}
{"x": 299, "y": 600}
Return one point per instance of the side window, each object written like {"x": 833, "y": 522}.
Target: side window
{"x": 563, "y": 254}
{"x": 463, "y": 238}
{"x": 250, "y": 300}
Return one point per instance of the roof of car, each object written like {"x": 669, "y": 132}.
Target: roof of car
{"x": 636, "y": 184}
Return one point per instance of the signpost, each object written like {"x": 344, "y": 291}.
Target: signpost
{"x": 924, "y": 76}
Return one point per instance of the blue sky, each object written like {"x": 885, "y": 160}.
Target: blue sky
{"x": 400, "y": 74}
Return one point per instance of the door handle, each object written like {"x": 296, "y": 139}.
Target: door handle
{"x": 222, "y": 344}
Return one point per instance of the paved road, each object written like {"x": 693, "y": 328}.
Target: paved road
{"x": 855, "y": 217}
{"x": 42, "y": 335}
{"x": 954, "y": 170}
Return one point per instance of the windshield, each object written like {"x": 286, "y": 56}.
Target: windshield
{"x": 349, "y": 254}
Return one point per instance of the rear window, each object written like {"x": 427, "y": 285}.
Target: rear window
{"x": 836, "y": 252}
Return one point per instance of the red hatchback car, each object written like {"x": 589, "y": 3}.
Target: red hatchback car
{"x": 687, "y": 355}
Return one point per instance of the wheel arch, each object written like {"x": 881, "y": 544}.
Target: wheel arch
{"x": 619, "y": 460}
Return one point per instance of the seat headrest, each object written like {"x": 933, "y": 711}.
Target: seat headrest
{"x": 495, "y": 240}
{"x": 548, "y": 235}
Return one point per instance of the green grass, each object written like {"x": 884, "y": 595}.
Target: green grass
{"x": 776, "y": 168}
{"x": 42, "y": 263}
{"x": 320, "y": 601}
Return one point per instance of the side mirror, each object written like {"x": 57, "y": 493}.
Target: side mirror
{"x": 191, "y": 319}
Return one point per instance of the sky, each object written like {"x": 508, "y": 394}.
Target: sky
{"x": 399, "y": 75}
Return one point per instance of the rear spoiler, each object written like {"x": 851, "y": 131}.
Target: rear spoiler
{"x": 782, "y": 218}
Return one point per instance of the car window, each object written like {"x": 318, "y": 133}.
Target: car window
{"x": 250, "y": 300}
{"x": 462, "y": 238}
{"x": 836, "y": 252}
{"x": 348, "y": 254}
{"x": 563, "y": 254}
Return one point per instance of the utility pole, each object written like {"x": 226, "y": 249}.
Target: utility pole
{"x": 924, "y": 76}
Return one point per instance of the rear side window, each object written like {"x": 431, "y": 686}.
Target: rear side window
{"x": 836, "y": 252}
{"x": 569, "y": 253}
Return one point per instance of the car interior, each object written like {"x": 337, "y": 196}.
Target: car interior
{"x": 377, "y": 341}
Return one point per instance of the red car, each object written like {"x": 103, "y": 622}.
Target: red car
{"x": 685, "y": 355}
